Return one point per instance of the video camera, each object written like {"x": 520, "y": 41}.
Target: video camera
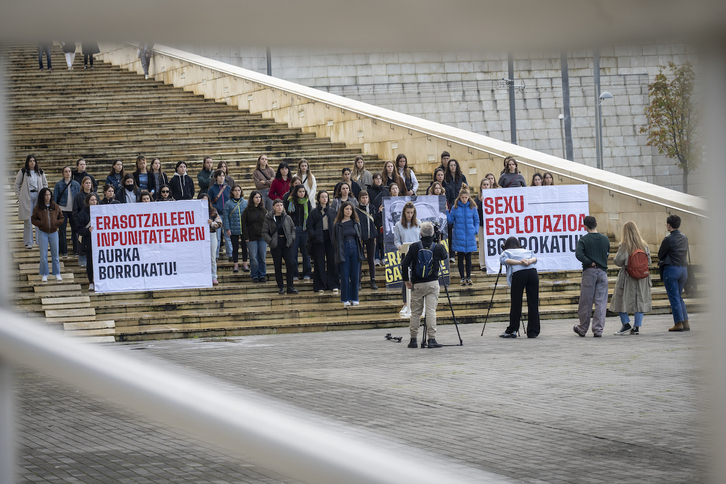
{"x": 437, "y": 231}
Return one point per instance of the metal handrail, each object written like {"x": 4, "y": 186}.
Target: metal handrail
{"x": 272, "y": 439}
{"x": 306, "y": 92}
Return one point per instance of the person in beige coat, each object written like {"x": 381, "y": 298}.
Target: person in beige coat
{"x": 631, "y": 295}
{"x": 28, "y": 183}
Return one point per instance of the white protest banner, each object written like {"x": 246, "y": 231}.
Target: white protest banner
{"x": 546, "y": 220}
{"x": 150, "y": 246}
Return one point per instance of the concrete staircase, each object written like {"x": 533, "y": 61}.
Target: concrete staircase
{"x": 107, "y": 113}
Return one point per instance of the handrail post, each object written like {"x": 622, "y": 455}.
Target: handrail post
{"x": 7, "y": 435}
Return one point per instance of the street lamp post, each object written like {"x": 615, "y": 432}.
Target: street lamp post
{"x": 598, "y": 127}
{"x": 561, "y": 117}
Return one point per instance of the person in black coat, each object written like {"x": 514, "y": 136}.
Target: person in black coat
{"x": 81, "y": 173}
{"x": 348, "y": 252}
{"x": 354, "y": 186}
{"x": 453, "y": 181}
{"x": 367, "y": 214}
{"x": 83, "y": 228}
{"x": 129, "y": 192}
{"x": 181, "y": 184}
{"x": 320, "y": 238}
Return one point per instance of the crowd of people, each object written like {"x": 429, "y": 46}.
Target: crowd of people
{"x": 334, "y": 235}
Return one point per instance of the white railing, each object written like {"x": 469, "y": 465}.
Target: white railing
{"x": 269, "y": 438}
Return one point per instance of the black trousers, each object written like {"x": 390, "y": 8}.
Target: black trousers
{"x": 370, "y": 248}
{"x": 521, "y": 280}
{"x": 325, "y": 274}
{"x": 280, "y": 253}
{"x": 462, "y": 258}
{"x": 236, "y": 240}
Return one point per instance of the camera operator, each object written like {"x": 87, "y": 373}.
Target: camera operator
{"x": 521, "y": 275}
{"x": 424, "y": 283}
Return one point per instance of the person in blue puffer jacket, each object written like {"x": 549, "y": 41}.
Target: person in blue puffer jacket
{"x": 232, "y": 219}
{"x": 464, "y": 218}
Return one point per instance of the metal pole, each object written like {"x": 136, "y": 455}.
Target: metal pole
{"x": 598, "y": 115}
{"x": 562, "y": 134}
{"x": 512, "y": 114}
{"x": 566, "y": 107}
{"x": 269, "y": 62}
{"x": 7, "y": 440}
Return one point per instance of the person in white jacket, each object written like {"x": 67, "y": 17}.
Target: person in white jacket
{"x": 307, "y": 179}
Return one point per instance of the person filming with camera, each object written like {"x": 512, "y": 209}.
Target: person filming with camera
{"x": 423, "y": 259}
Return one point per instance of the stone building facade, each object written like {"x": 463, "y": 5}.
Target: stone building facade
{"x": 465, "y": 90}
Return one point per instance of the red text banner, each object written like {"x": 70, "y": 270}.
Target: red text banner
{"x": 151, "y": 246}
{"x": 547, "y": 220}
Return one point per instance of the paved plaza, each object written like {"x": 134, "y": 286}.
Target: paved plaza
{"x": 556, "y": 409}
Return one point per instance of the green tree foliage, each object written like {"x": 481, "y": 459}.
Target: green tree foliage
{"x": 672, "y": 118}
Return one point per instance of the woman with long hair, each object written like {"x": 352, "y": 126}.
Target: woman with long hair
{"x": 165, "y": 194}
{"x": 253, "y": 219}
{"x": 348, "y": 253}
{"x": 222, "y": 165}
{"x": 436, "y": 189}
{"x": 511, "y": 177}
{"x": 320, "y": 229}
{"x": 64, "y": 191}
{"x": 492, "y": 180}
{"x": 158, "y": 178}
{"x": 390, "y": 175}
{"x": 263, "y": 176}
{"x": 219, "y": 195}
{"x": 281, "y": 184}
{"x": 367, "y": 214}
{"x": 453, "y": 181}
{"x": 347, "y": 177}
{"x": 84, "y": 229}
{"x": 439, "y": 176}
{"x": 47, "y": 216}
{"x": 79, "y": 203}
{"x": 547, "y": 179}
{"x": 521, "y": 275}
{"x": 215, "y": 223}
{"x": 464, "y": 218}
{"x": 484, "y": 184}
{"x": 143, "y": 178}
{"x": 116, "y": 176}
{"x": 299, "y": 208}
{"x": 232, "y": 220}
{"x": 28, "y": 183}
{"x": 129, "y": 192}
{"x": 279, "y": 233}
{"x": 343, "y": 194}
{"x": 376, "y": 187}
{"x": 181, "y": 184}
{"x": 360, "y": 175}
{"x": 406, "y": 231}
{"x": 536, "y": 180}
{"x": 307, "y": 179}
{"x": 205, "y": 177}
{"x": 109, "y": 195}
{"x": 631, "y": 295}
{"x": 407, "y": 175}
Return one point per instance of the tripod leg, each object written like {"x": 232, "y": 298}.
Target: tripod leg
{"x": 491, "y": 301}
{"x": 423, "y": 340}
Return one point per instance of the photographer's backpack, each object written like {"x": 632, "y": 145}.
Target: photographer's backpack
{"x": 425, "y": 261}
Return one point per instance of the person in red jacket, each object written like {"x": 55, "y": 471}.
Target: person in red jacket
{"x": 281, "y": 184}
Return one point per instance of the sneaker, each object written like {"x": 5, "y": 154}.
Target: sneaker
{"x": 295, "y": 279}
{"x": 377, "y": 262}
{"x": 635, "y": 330}
{"x": 468, "y": 282}
{"x": 463, "y": 282}
{"x": 508, "y": 335}
{"x": 307, "y": 278}
{"x": 292, "y": 290}
{"x": 28, "y": 246}
{"x": 452, "y": 260}
{"x": 346, "y": 304}
{"x": 321, "y": 292}
{"x": 263, "y": 280}
{"x": 236, "y": 269}
{"x": 413, "y": 343}
{"x": 146, "y": 76}
{"x": 355, "y": 303}
{"x": 64, "y": 256}
{"x": 281, "y": 291}
{"x": 432, "y": 343}
{"x": 44, "y": 279}
{"x": 624, "y": 329}
{"x": 215, "y": 282}
{"x": 574, "y": 328}
{"x": 404, "y": 310}
{"x": 373, "y": 285}
{"x": 91, "y": 287}
{"x": 335, "y": 290}
{"x": 58, "y": 277}
{"x": 245, "y": 268}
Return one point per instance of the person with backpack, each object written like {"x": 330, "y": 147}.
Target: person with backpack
{"x": 632, "y": 289}
{"x": 424, "y": 259}
{"x": 521, "y": 275}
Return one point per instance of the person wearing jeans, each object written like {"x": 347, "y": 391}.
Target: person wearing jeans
{"x": 673, "y": 262}
{"x": 47, "y": 216}
{"x": 253, "y": 220}
{"x": 632, "y": 292}
{"x": 348, "y": 253}
{"x": 44, "y": 47}
{"x": 592, "y": 250}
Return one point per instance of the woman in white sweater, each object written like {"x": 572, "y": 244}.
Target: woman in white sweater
{"x": 307, "y": 179}
{"x": 406, "y": 231}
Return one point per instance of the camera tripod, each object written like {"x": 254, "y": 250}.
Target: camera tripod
{"x": 456, "y": 323}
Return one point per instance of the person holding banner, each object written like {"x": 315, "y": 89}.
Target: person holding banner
{"x": 233, "y": 226}
{"x": 348, "y": 253}
{"x": 406, "y": 231}
{"x": 521, "y": 275}
{"x": 215, "y": 223}
{"x": 485, "y": 184}
{"x": 253, "y": 219}
{"x": 511, "y": 176}
{"x": 320, "y": 228}
{"x": 219, "y": 195}
{"x": 464, "y": 217}
{"x": 181, "y": 184}
{"x": 279, "y": 233}
{"x": 83, "y": 229}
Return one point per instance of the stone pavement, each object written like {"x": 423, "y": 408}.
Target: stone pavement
{"x": 557, "y": 409}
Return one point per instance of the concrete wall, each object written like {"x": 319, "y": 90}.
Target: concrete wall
{"x": 461, "y": 90}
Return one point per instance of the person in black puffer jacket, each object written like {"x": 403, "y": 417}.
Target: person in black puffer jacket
{"x": 320, "y": 242}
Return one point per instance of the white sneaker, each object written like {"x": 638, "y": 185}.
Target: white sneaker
{"x": 355, "y": 303}
{"x": 90, "y": 287}
{"x": 346, "y": 304}
{"x": 146, "y": 76}
{"x": 44, "y": 279}
{"x": 335, "y": 290}
{"x": 58, "y": 277}
{"x": 405, "y": 312}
